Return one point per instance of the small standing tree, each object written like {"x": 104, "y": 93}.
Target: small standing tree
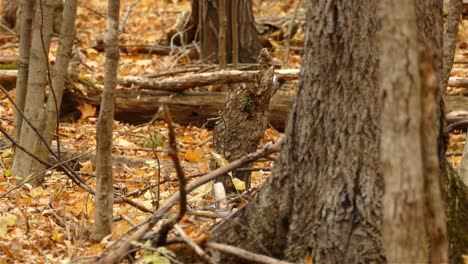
{"x": 35, "y": 96}
{"x": 104, "y": 199}
{"x": 31, "y": 83}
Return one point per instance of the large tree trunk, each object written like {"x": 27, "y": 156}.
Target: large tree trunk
{"x": 413, "y": 209}
{"x": 324, "y": 197}
{"x": 204, "y": 18}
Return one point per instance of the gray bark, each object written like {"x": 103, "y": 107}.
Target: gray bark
{"x": 404, "y": 231}
{"x": 34, "y": 103}
{"x": 23, "y": 62}
{"x": 54, "y": 100}
{"x": 104, "y": 188}
{"x": 324, "y": 197}
{"x": 455, "y": 8}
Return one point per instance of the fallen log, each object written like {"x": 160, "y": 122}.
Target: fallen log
{"x": 456, "y": 108}
{"x": 138, "y": 106}
{"x": 458, "y": 82}
{"x": 202, "y": 79}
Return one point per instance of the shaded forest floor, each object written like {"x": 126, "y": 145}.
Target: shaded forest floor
{"x": 51, "y": 223}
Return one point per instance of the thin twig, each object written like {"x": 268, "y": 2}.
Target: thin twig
{"x": 164, "y": 231}
{"x": 244, "y": 254}
{"x": 125, "y": 244}
{"x": 290, "y": 28}
{"x": 193, "y": 245}
{"x": 127, "y": 14}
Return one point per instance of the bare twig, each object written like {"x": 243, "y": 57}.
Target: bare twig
{"x": 164, "y": 231}
{"x": 244, "y": 254}
{"x": 124, "y": 245}
{"x": 290, "y": 28}
{"x": 127, "y": 14}
{"x": 193, "y": 245}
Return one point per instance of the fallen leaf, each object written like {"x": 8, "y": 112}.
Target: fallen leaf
{"x": 86, "y": 110}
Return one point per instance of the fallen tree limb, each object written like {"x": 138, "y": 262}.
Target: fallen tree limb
{"x": 122, "y": 248}
{"x": 202, "y": 79}
{"x": 194, "y": 108}
{"x": 458, "y": 82}
{"x": 244, "y": 254}
{"x": 456, "y": 108}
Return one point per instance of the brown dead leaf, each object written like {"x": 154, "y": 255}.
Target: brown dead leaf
{"x": 86, "y": 110}
{"x": 194, "y": 155}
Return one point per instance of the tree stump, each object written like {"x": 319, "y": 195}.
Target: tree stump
{"x": 245, "y": 119}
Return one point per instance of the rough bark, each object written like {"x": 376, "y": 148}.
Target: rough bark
{"x": 324, "y": 197}
{"x": 455, "y": 8}
{"x": 23, "y": 62}
{"x": 37, "y": 80}
{"x": 103, "y": 213}
{"x": 456, "y": 208}
{"x": 244, "y": 121}
{"x": 205, "y": 17}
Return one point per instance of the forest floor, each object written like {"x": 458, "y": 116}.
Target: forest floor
{"x": 51, "y": 223}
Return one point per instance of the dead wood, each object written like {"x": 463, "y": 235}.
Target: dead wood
{"x": 202, "y": 79}
{"x": 194, "y": 108}
{"x": 458, "y": 82}
{"x": 244, "y": 120}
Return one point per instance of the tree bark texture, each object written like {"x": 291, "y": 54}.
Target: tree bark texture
{"x": 324, "y": 197}
{"x": 60, "y": 72}
{"x": 405, "y": 96}
{"x": 244, "y": 121}
{"x": 455, "y": 8}
{"x": 37, "y": 80}
{"x": 104, "y": 199}
{"x": 205, "y": 17}
{"x": 26, "y": 18}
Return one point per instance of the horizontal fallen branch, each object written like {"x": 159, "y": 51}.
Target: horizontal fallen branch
{"x": 196, "y": 108}
{"x": 134, "y": 106}
{"x": 202, "y": 79}
{"x": 244, "y": 254}
{"x": 122, "y": 246}
{"x": 458, "y": 82}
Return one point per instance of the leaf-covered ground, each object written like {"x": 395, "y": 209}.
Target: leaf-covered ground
{"x": 50, "y": 224}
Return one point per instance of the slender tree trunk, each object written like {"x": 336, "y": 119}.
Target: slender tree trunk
{"x": 104, "y": 189}
{"x": 37, "y": 80}
{"x": 324, "y": 197}
{"x": 54, "y": 100}
{"x": 23, "y": 62}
